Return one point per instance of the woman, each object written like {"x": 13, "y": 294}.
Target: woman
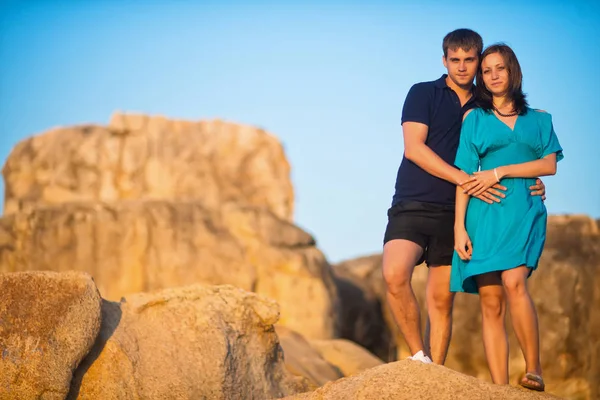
{"x": 497, "y": 246}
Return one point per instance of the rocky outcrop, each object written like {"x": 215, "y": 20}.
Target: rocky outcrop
{"x": 147, "y": 203}
{"x": 347, "y": 356}
{"x": 194, "y": 342}
{"x": 410, "y": 380}
{"x": 365, "y": 319}
{"x": 140, "y": 246}
{"x": 48, "y": 324}
{"x": 323, "y": 361}
{"x": 565, "y": 289}
{"x": 302, "y": 360}
{"x": 141, "y": 157}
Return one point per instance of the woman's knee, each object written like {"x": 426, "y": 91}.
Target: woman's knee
{"x": 493, "y": 306}
{"x": 515, "y": 285}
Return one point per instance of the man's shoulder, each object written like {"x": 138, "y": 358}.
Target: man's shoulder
{"x": 425, "y": 86}
{"x": 421, "y": 91}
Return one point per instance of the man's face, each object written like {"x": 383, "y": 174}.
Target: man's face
{"x": 461, "y": 65}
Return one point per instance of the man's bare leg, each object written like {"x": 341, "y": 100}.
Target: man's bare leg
{"x": 439, "y": 310}
{"x": 399, "y": 260}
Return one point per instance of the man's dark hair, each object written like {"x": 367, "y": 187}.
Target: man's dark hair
{"x": 465, "y": 39}
{"x": 515, "y": 92}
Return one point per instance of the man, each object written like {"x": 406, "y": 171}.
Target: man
{"x": 421, "y": 219}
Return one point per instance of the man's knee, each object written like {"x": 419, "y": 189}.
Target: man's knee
{"x": 397, "y": 277}
{"x": 440, "y": 299}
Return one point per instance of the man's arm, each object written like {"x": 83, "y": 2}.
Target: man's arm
{"x": 530, "y": 169}
{"x": 418, "y": 152}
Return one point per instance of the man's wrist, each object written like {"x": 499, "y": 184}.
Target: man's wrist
{"x": 460, "y": 177}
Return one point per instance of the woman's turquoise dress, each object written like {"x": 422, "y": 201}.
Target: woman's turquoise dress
{"x": 511, "y": 233}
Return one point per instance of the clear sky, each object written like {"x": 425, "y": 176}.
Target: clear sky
{"x": 328, "y": 78}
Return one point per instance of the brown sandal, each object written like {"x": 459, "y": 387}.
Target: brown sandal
{"x": 540, "y": 386}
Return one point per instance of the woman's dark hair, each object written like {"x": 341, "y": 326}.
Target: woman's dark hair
{"x": 515, "y": 92}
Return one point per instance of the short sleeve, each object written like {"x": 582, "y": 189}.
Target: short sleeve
{"x": 467, "y": 157}
{"x": 417, "y": 104}
{"x": 549, "y": 140}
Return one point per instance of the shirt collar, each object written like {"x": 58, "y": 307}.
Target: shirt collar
{"x": 441, "y": 83}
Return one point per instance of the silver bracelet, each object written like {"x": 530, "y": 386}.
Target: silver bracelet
{"x": 496, "y": 174}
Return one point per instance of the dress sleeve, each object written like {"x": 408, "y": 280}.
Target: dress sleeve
{"x": 549, "y": 141}
{"x": 467, "y": 157}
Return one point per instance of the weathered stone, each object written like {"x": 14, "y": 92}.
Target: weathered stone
{"x": 410, "y": 380}
{"x": 48, "y": 323}
{"x": 140, "y": 246}
{"x": 302, "y": 360}
{"x": 194, "y": 342}
{"x": 349, "y": 357}
{"x": 142, "y": 157}
{"x": 365, "y": 319}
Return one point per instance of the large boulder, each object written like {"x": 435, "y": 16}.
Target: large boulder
{"x": 346, "y": 355}
{"x": 302, "y": 360}
{"x": 565, "y": 289}
{"x": 48, "y": 324}
{"x": 142, "y": 157}
{"x": 193, "y": 342}
{"x": 140, "y": 246}
{"x": 413, "y": 380}
{"x": 365, "y": 318}
{"x": 323, "y": 361}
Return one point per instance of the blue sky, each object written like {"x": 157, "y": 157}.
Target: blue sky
{"x": 328, "y": 78}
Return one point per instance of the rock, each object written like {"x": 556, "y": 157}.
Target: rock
{"x": 349, "y": 357}
{"x": 48, "y": 323}
{"x": 141, "y": 157}
{"x": 139, "y": 246}
{"x": 565, "y": 289}
{"x": 302, "y": 360}
{"x": 193, "y": 342}
{"x": 322, "y": 361}
{"x": 409, "y": 380}
{"x": 365, "y": 316}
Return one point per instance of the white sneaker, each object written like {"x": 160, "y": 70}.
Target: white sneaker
{"x": 420, "y": 356}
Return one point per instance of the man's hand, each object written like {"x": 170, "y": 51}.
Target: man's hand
{"x": 539, "y": 189}
{"x": 491, "y": 195}
{"x": 483, "y": 181}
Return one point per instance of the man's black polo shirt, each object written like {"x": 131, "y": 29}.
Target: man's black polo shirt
{"x": 437, "y": 106}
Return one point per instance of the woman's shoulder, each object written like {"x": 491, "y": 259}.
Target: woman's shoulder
{"x": 539, "y": 114}
{"x": 471, "y": 111}
{"x": 475, "y": 113}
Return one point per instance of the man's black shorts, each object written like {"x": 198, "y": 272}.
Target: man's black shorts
{"x": 429, "y": 225}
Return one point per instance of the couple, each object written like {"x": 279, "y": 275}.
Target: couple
{"x": 467, "y": 202}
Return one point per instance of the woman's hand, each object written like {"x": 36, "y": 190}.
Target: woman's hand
{"x": 482, "y": 182}
{"x": 462, "y": 244}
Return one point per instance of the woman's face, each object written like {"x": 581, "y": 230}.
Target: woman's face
{"x": 495, "y": 74}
